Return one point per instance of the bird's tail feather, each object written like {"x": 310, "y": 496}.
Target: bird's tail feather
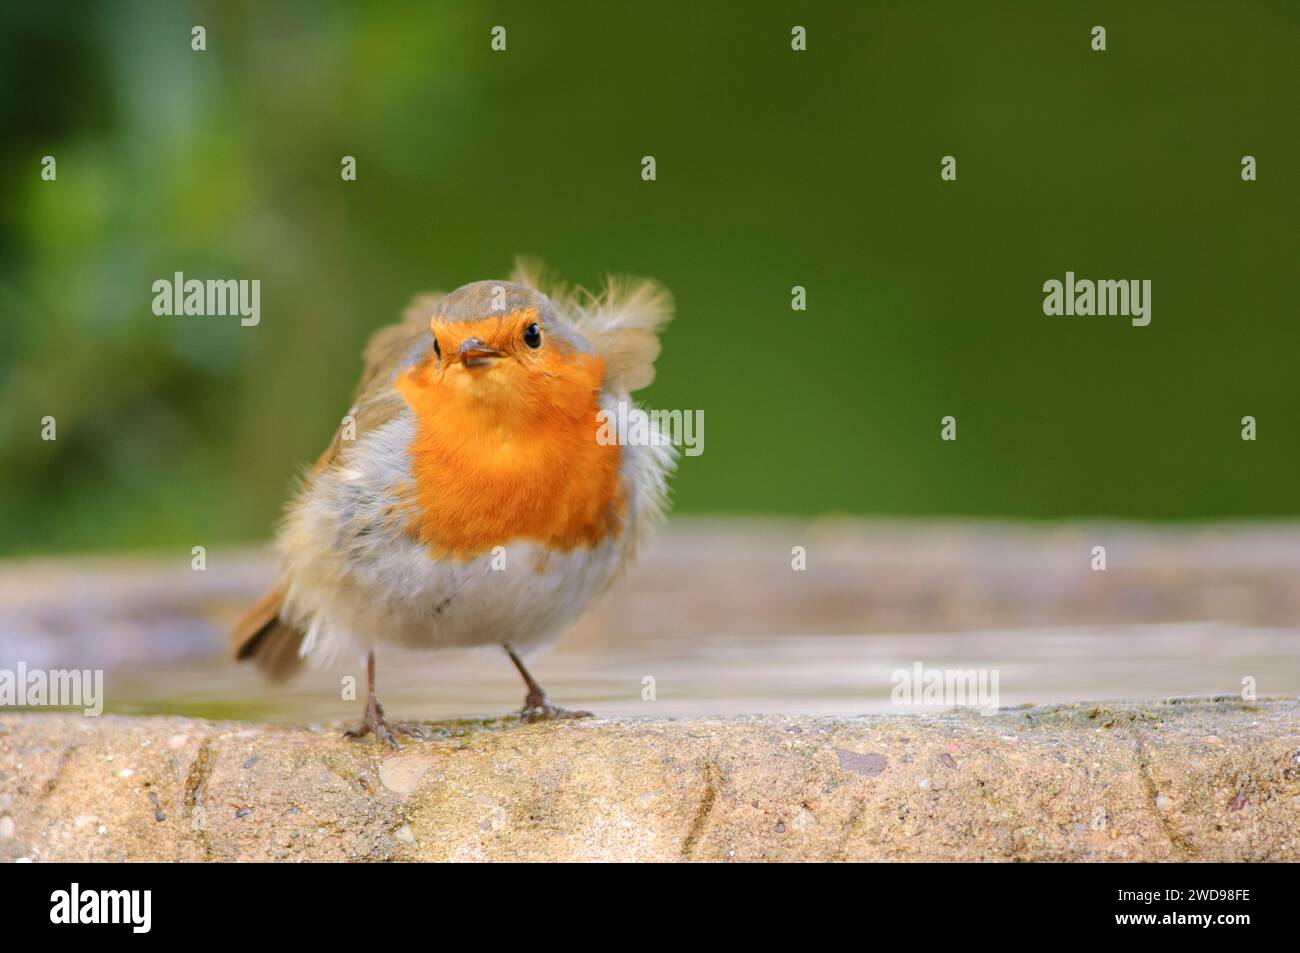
{"x": 268, "y": 640}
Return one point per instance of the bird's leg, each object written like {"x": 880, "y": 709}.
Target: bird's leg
{"x": 373, "y": 721}
{"x": 536, "y": 707}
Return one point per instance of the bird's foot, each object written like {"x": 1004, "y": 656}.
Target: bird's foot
{"x": 538, "y": 708}
{"x": 374, "y": 722}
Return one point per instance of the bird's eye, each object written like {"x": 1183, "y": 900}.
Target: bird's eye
{"x": 533, "y": 336}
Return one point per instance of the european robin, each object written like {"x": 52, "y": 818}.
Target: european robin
{"x": 472, "y": 495}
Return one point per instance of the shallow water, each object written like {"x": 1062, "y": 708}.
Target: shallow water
{"x": 735, "y": 674}
{"x": 715, "y": 615}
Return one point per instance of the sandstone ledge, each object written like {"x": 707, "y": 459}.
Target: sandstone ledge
{"x": 1197, "y": 779}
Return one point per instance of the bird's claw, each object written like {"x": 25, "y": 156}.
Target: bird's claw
{"x": 538, "y": 708}
{"x": 373, "y": 722}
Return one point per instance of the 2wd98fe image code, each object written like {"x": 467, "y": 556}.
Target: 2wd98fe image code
{"x": 1202, "y": 907}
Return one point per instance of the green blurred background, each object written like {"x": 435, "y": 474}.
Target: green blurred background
{"x": 775, "y": 168}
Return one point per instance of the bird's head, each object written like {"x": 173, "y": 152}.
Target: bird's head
{"x": 507, "y": 399}
{"x": 502, "y": 357}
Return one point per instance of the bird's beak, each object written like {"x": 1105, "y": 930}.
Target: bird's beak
{"x": 474, "y": 353}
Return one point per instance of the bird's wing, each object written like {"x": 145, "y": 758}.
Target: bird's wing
{"x": 261, "y": 634}
{"x": 390, "y": 349}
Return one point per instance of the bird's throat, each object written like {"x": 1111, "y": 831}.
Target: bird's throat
{"x": 486, "y": 476}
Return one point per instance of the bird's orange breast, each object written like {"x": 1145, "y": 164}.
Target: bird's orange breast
{"x": 487, "y": 475}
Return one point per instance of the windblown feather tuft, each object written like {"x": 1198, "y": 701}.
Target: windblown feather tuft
{"x": 622, "y": 322}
